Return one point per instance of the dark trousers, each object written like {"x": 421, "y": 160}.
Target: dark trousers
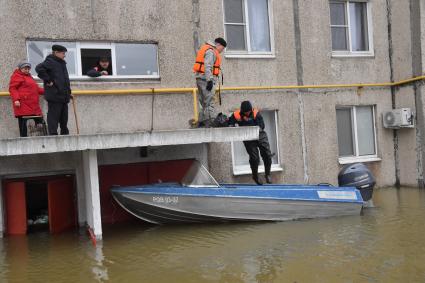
{"x": 22, "y": 121}
{"x": 252, "y": 148}
{"x": 57, "y": 114}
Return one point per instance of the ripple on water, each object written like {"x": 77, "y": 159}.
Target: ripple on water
{"x": 384, "y": 244}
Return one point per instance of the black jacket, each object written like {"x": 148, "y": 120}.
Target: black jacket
{"x": 251, "y": 121}
{"x": 53, "y": 69}
{"x": 96, "y": 72}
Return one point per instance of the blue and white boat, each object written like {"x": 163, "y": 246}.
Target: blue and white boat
{"x": 199, "y": 198}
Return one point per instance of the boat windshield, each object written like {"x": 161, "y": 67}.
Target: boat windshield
{"x": 198, "y": 176}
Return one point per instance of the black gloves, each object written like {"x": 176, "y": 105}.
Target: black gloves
{"x": 210, "y": 85}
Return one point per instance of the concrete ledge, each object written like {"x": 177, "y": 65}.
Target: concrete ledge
{"x": 49, "y": 144}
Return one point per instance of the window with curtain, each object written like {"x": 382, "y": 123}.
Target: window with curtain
{"x": 356, "y": 131}
{"x": 350, "y": 26}
{"x": 247, "y": 26}
{"x": 240, "y": 156}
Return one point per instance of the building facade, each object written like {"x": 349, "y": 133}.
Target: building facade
{"x": 333, "y": 46}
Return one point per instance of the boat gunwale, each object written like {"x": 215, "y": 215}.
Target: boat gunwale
{"x": 357, "y": 201}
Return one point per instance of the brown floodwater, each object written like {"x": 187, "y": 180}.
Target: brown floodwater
{"x": 384, "y": 244}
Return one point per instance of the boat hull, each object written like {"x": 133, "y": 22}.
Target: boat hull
{"x": 173, "y": 205}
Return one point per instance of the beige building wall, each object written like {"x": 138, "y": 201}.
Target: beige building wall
{"x": 308, "y": 143}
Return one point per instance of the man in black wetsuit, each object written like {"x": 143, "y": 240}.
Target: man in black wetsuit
{"x": 247, "y": 116}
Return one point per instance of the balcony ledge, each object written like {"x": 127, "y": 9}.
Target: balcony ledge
{"x": 51, "y": 144}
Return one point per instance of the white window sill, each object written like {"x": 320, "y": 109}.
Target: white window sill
{"x": 106, "y": 78}
{"x": 355, "y": 159}
{"x": 246, "y": 170}
{"x": 87, "y": 78}
{"x": 338, "y": 54}
{"x": 250, "y": 55}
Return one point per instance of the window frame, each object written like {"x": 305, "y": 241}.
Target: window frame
{"x": 350, "y": 52}
{"x": 356, "y": 157}
{"x": 246, "y": 169}
{"x": 249, "y": 53}
{"x": 99, "y": 45}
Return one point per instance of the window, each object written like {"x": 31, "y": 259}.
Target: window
{"x": 356, "y": 132}
{"x": 240, "y": 156}
{"x": 38, "y": 50}
{"x": 350, "y": 28}
{"x": 90, "y": 58}
{"x": 128, "y": 60}
{"x": 247, "y": 27}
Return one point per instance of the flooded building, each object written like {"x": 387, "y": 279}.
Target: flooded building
{"x": 324, "y": 74}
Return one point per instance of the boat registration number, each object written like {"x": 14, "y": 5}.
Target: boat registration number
{"x": 337, "y": 195}
{"x": 167, "y": 200}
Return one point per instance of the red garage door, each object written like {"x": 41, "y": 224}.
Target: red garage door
{"x": 16, "y": 208}
{"x": 62, "y": 210}
{"x": 131, "y": 175}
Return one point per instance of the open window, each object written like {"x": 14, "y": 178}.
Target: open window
{"x": 90, "y": 58}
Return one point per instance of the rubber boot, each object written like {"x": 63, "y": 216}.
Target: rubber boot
{"x": 255, "y": 177}
{"x": 267, "y": 169}
{"x": 268, "y": 179}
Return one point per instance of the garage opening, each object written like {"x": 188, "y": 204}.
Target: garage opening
{"x": 37, "y": 206}
{"x": 40, "y": 204}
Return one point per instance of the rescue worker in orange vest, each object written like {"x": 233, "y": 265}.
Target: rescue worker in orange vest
{"x": 207, "y": 69}
{"x": 247, "y": 116}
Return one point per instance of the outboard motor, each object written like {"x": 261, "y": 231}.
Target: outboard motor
{"x": 359, "y": 176}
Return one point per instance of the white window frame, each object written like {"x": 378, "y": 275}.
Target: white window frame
{"x": 350, "y": 52}
{"x": 248, "y": 53}
{"x": 94, "y": 45}
{"x": 101, "y": 45}
{"x": 246, "y": 169}
{"x": 357, "y": 157}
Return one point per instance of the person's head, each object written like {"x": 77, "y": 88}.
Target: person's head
{"x": 220, "y": 44}
{"x": 246, "y": 108}
{"x": 59, "y": 51}
{"x": 24, "y": 67}
{"x": 104, "y": 62}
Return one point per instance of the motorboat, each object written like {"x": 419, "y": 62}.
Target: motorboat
{"x": 199, "y": 198}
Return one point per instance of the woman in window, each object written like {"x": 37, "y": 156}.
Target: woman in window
{"x": 25, "y": 93}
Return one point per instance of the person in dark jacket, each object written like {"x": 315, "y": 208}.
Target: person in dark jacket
{"x": 247, "y": 116}
{"x": 57, "y": 89}
{"x": 25, "y": 93}
{"x": 102, "y": 68}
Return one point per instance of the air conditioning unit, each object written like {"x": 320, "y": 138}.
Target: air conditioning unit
{"x": 398, "y": 118}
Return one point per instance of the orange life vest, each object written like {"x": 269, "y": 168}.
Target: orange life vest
{"x": 237, "y": 114}
{"x": 199, "y": 66}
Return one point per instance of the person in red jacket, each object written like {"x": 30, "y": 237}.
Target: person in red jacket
{"x": 25, "y": 93}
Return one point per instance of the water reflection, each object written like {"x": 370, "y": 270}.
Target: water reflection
{"x": 385, "y": 244}
{"x": 99, "y": 270}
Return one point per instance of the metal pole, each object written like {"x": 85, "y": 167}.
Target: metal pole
{"x": 75, "y": 115}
